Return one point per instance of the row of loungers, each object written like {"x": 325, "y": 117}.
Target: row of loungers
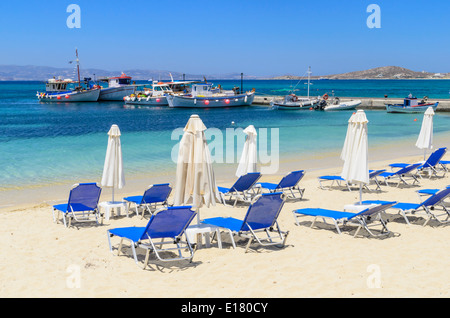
{"x": 404, "y": 173}
{"x": 259, "y": 224}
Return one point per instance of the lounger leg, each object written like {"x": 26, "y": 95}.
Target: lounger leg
{"x": 232, "y": 239}
{"x": 296, "y": 218}
{"x": 337, "y": 227}
{"x": 404, "y": 216}
{"x": 109, "y": 241}
{"x": 314, "y": 221}
{"x": 133, "y": 248}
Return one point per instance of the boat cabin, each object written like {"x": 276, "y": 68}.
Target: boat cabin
{"x": 122, "y": 80}
{"x": 57, "y": 85}
{"x": 160, "y": 89}
{"x": 204, "y": 89}
{"x": 410, "y": 101}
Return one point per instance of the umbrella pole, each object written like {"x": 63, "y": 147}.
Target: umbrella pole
{"x": 113, "y": 194}
{"x": 198, "y": 215}
{"x": 360, "y": 193}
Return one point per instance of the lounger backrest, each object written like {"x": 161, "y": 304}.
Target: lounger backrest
{"x": 157, "y": 193}
{"x": 84, "y": 197}
{"x": 264, "y": 212}
{"x": 435, "y": 157}
{"x": 376, "y": 209}
{"x": 291, "y": 180}
{"x": 437, "y": 197}
{"x": 408, "y": 168}
{"x": 375, "y": 173}
{"x": 170, "y": 222}
{"x": 246, "y": 181}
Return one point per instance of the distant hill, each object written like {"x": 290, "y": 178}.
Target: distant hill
{"x": 43, "y": 73}
{"x": 385, "y": 72}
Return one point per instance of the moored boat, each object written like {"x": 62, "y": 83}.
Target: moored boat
{"x": 156, "y": 96}
{"x": 336, "y": 104}
{"x": 411, "y": 105}
{"x": 293, "y": 102}
{"x": 205, "y": 96}
{"x": 118, "y": 88}
{"x": 56, "y": 90}
{"x": 60, "y": 90}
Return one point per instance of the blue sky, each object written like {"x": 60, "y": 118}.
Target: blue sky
{"x": 256, "y": 37}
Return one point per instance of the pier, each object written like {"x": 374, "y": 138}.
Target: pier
{"x": 366, "y": 103}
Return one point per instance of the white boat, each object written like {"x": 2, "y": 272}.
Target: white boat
{"x": 293, "y": 102}
{"x": 411, "y": 105}
{"x": 118, "y": 88}
{"x": 336, "y": 104}
{"x": 156, "y": 94}
{"x": 60, "y": 90}
{"x": 150, "y": 97}
{"x": 56, "y": 91}
{"x": 205, "y": 96}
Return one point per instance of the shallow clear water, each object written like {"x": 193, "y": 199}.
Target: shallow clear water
{"x": 49, "y": 143}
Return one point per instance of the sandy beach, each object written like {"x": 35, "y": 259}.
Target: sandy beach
{"x": 41, "y": 258}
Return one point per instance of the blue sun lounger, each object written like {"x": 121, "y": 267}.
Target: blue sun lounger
{"x": 333, "y": 179}
{"x": 373, "y": 174}
{"x": 288, "y": 183}
{"x": 431, "y": 164}
{"x": 403, "y": 174}
{"x": 364, "y": 219}
{"x": 81, "y": 206}
{"x": 429, "y": 206}
{"x": 261, "y": 217}
{"x": 154, "y": 196}
{"x": 242, "y": 189}
{"x": 169, "y": 223}
{"x": 427, "y": 192}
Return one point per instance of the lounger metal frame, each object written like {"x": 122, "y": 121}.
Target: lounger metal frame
{"x": 252, "y": 234}
{"x": 363, "y": 219}
{"x": 78, "y": 215}
{"x": 156, "y": 246}
{"x": 152, "y": 206}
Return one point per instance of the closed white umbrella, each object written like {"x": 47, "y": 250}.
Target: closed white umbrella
{"x": 248, "y": 161}
{"x": 113, "y": 174}
{"x": 356, "y": 159}
{"x": 195, "y": 182}
{"x": 348, "y": 138}
{"x": 425, "y": 140}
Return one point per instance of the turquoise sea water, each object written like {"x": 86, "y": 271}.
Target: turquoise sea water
{"x": 50, "y": 143}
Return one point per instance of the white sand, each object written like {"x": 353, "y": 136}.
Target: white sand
{"x": 41, "y": 258}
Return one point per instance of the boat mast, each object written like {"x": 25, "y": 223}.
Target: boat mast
{"x": 78, "y": 68}
{"x": 309, "y": 78}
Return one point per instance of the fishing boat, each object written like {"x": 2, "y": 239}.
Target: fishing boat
{"x": 294, "y": 102}
{"x": 118, "y": 88}
{"x": 411, "y": 105}
{"x": 59, "y": 90}
{"x": 155, "y": 95}
{"x": 204, "y": 95}
{"x": 150, "y": 97}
